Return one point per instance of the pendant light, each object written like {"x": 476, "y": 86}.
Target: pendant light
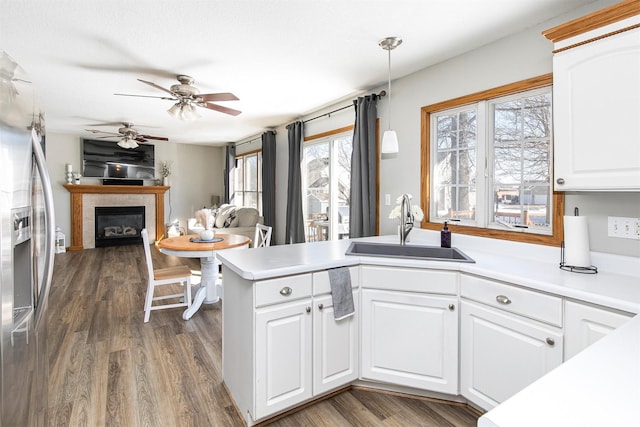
{"x": 389, "y": 138}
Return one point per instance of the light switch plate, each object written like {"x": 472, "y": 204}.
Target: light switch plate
{"x": 623, "y": 228}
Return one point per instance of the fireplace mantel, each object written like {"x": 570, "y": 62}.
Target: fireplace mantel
{"x": 77, "y": 191}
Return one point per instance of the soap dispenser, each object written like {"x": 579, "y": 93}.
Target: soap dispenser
{"x": 445, "y": 236}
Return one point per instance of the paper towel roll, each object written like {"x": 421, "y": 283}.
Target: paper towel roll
{"x": 576, "y": 242}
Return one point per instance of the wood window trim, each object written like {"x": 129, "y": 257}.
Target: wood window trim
{"x": 425, "y": 131}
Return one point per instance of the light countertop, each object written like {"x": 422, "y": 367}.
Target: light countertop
{"x": 616, "y": 285}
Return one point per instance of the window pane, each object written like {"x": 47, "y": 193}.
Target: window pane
{"x": 316, "y": 170}
{"x": 521, "y": 173}
{"x": 239, "y": 178}
{"x": 454, "y": 168}
{"x": 251, "y": 173}
{"x": 251, "y": 199}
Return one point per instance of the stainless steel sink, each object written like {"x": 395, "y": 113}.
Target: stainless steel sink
{"x": 394, "y": 250}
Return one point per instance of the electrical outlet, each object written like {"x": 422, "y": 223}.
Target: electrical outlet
{"x": 387, "y": 199}
{"x": 623, "y": 228}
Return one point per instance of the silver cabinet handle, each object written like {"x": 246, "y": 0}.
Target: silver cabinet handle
{"x": 551, "y": 342}
{"x": 308, "y": 309}
{"x": 502, "y": 299}
{"x": 560, "y": 181}
{"x": 452, "y": 307}
{"x": 320, "y": 306}
{"x": 286, "y": 291}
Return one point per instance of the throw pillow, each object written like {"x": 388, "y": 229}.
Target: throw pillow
{"x": 229, "y": 221}
{"x": 223, "y": 213}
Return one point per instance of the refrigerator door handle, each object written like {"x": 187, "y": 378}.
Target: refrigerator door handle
{"x": 49, "y": 226}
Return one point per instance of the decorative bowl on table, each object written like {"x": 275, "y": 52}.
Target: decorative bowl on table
{"x": 206, "y": 235}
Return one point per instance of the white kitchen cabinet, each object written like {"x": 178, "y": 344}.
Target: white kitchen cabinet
{"x": 283, "y": 356}
{"x": 586, "y": 324}
{"x": 596, "y": 105}
{"x": 281, "y": 343}
{"x": 410, "y": 339}
{"x": 335, "y": 346}
{"x": 509, "y": 337}
{"x": 502, "y": 353}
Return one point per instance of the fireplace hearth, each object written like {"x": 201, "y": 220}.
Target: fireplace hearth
{"x": 118, "y": 225}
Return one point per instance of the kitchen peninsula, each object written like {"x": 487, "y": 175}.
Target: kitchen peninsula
{"x": 505, "y": 310}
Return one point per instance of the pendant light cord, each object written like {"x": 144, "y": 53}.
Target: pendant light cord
{"x": 389, "y": 67}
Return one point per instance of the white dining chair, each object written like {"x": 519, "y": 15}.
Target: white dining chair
{"x": 263, "y": 236}
{"x": 164, "y": 276}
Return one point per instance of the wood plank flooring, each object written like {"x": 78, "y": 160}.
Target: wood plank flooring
{"x": 108, "y": 368}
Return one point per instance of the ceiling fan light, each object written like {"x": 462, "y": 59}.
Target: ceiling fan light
{"x": 133, "y": 144}
{"x": 123, "y": 143}
{"x": 175, "y": 109}
{"x": 194, "y": 112}
{"x": 389, "y": 142}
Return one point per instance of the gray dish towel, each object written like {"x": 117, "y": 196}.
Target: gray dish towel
{"x": 340, "y": 281}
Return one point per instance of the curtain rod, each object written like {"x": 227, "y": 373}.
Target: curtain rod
{"x": 254, "y": 139}
{"x": 381, "y": 94}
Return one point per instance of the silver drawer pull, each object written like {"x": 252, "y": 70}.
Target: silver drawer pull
{"x": 551, "y": 342}
{"x": 502, "y": 299}
{"x": 286, "y": 291}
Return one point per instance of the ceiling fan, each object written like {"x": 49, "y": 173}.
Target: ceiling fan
{"x": 128, "y": 134}
{"x": 188, "y": 97}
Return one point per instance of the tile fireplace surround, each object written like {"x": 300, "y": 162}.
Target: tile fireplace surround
{"x": 84, "y": 199}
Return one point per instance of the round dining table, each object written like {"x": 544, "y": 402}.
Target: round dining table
{"x": 190, "y": 246}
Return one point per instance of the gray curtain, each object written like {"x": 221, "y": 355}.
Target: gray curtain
{"x": 269, "y": 178}
{"x": 363, "y": 207}
{"x": 229, "y": 164}
{"x": 295, "y": 221}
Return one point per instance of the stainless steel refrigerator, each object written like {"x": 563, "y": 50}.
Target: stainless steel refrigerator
{"x": 27, "y": 236}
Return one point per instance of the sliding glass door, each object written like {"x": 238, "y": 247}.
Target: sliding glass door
{"x": 326, "y": 176}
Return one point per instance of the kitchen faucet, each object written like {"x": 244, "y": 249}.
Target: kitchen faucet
{"x": 406, "y": 219}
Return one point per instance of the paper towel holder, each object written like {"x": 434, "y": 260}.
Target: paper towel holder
{"x": 586, "y": 270}
{"x": 574, "y": 269}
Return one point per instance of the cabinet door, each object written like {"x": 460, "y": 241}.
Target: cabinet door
{"x": 502, "y": 353}
{"x": 335, "y": 346}
{"x": 585, "y": 325}
{"x": 410, "y": 339}
{"x": 283, "y": 356}
{"x": 596, "y": 110}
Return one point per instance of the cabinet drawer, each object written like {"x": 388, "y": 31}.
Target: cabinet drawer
{"x": 321, "y": 283}
{"x": 282, "y": 289}
{"x": 535, "y": 305}
{"x": 409, "y": 280}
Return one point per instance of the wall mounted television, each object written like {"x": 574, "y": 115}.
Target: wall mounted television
{"x": 107, "y": 160}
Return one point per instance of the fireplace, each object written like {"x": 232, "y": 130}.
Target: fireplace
{"x": 118, "y": 225}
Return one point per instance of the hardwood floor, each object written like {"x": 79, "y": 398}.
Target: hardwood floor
{"x": 108, "y": 368}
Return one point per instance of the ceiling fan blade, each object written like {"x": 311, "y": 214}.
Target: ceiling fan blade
{"x": 220, "y": 108}
{"x": 226, "y": 96}
{"x": 159, "y": 138}
{"x": 102, "y": 131}
{"x": 147, "y": 96}
{"x": 157, "y": 86}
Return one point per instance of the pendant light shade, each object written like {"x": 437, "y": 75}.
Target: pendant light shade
{"x": 390, "y": 138}
{"x": 389, "y": 142}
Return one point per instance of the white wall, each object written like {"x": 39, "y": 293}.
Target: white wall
{"x": 196, "y": 175}
{"x": 518, "y": 57}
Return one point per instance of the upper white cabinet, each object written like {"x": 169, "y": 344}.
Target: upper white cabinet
{"x": 596, "y": 102}
{"x": 586, "y": 324}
